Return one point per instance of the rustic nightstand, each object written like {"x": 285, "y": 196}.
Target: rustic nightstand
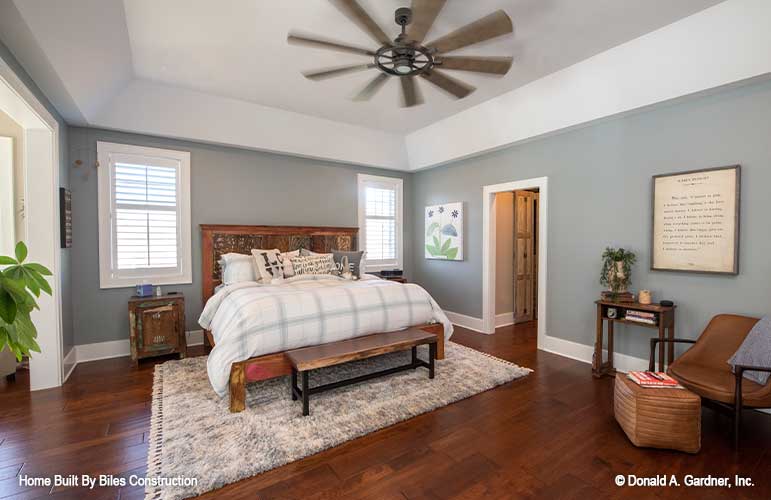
{"x": 157, "y": 326}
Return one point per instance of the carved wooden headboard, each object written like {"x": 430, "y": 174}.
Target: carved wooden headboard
{"x": 217, "y": 240}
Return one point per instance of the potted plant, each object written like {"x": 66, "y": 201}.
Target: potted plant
{"x": 616, "y": 271}
{"x": 20, "y": 284}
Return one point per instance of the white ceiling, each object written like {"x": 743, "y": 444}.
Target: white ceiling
{"x": 238, "y": 49}
{"x": 222, "y": 72}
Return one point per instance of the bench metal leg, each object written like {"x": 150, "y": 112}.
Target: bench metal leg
{"x": 306, "y": 406}
{"x": 415, "y": 363}
{"x": 431, "y": 359}
{"x": 293, "y": 389}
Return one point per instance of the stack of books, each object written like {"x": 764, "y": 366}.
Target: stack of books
{"x": 646, "y": 317}
{"x": 617, "y": 297}
{"x": 653, "y": 379}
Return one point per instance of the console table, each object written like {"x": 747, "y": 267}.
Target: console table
{"x": 665, "y": 324}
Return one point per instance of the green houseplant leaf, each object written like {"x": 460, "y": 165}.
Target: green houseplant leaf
{"x": 21, "y": 251}
{"x": 20, "y": 283}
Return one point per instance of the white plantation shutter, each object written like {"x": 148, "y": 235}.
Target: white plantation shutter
{"x": 144, "y": 215}
{"x": 380, "y": 223}
{"x": 380, "y": 213}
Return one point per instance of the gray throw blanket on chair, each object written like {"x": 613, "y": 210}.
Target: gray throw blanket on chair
{"x": 755, "y": 351}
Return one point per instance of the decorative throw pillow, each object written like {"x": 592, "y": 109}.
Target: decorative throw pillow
{"x": 313, "y": 264}
{"x": 755, "y": 351}
{"x": 287, "y": 258}
{"x": 354, "y": 261}
{"x": 236, "y": 268}
{"x": 269, "y": 264}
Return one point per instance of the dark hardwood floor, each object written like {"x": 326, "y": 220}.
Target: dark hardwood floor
{"x": 549, "y": 435}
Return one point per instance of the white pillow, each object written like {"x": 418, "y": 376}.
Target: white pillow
{"x": 236, "y": 268}
{"x": 314, "y": 264}
{"x": 269, "y": 264}
{"x": 287, "y": 258}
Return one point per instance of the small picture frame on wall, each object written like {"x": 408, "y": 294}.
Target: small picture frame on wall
{"x": 696, "y": 221}
{"x": 65, "y": 217}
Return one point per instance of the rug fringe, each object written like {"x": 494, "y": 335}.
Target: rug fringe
{"x": 156, "y": 435}
{"x": 505, "y": 361}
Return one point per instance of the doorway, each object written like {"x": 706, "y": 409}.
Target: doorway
{"x": 40, "y": 188}
{"x": 528, "y": 277}
{"x": 516, "y": 255}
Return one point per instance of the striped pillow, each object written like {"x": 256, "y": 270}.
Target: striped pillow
{"x": 313, "y": 264}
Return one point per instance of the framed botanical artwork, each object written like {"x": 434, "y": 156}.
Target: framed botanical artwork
{"x": 696, "y": 221}
{"x": 444, "y": 231}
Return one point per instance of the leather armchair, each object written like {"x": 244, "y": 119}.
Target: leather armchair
{"x": 704, "y": 368}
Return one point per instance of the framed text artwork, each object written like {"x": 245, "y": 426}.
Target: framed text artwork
{"x": 696, "y": 221}
{"x": 65, "y": 217}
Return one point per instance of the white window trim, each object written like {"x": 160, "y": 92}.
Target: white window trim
{"x": 107, "y": 278}
{"x": 390, "y": 183}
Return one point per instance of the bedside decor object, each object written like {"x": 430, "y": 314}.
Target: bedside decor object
{"x": 396, "y": 275}
{"x": 616, "y": 271}
{"x": 696, "y": 221}
{"x": 647, "y": 315}
{"x": 157, "y": 326}
{"x": 645, "y": 297}
{"x": 65, "y": 217}
{"x": 666, "y": 303}
{"x": 144, "y": 290}
{"x": 444, "y": 231}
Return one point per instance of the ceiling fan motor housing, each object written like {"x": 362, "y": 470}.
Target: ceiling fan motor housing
{"x": 403, "y": 16}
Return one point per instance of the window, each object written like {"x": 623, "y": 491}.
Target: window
{"x": 144, "y": 216}
{"x": 380, "y": 221}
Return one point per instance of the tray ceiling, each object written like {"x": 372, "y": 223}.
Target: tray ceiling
{"x": 132, "y": 65}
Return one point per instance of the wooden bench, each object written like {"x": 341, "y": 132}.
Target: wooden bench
{"x": 310, "y": 358}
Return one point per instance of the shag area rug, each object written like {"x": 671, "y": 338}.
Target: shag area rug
{"x": 194, "y": 435}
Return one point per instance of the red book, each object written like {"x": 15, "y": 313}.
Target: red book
{"x": 652, "y": 379}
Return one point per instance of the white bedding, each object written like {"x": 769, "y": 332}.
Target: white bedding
{"x": 252, "y": 319}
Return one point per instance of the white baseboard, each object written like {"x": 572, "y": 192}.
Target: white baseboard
{"x": 469, "y": 322}
{"x": 117, "y": 349}
{"x": 584, "y": 353}
{"x": 504, "y": 319}
{"x": 102, "y": 350}
{"x": 70, "y": 359}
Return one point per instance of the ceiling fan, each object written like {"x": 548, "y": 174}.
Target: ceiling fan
{"x": 407, "y": 57}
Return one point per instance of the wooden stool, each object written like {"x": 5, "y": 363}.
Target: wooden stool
{"x": 658, "y": 418}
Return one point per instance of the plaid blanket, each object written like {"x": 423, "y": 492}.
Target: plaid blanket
{"x": 251, "y": 319}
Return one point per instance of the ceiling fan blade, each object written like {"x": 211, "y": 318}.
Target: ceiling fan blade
{"x": 424, "y": 14}
{"x": 321, "y": 43}
{"x": 495, "y": 65}
{"x": 410, "y": 92}
{"x": 323, "y": 74}
{"x": 372, "y": 87}
{"x": 448, "y": 83}
{"x": 358, "y": 15}
{"x": 496, "y": 24}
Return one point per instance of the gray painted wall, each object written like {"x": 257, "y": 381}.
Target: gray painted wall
{"x": 228, "y": 186}
{"x": 599, "y": 195}
{"x": 64, "y": 181}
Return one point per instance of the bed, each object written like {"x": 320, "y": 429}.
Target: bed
{"x": 248, "y": 327}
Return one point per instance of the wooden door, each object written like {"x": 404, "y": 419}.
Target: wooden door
{"x": 524, "y": 256}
